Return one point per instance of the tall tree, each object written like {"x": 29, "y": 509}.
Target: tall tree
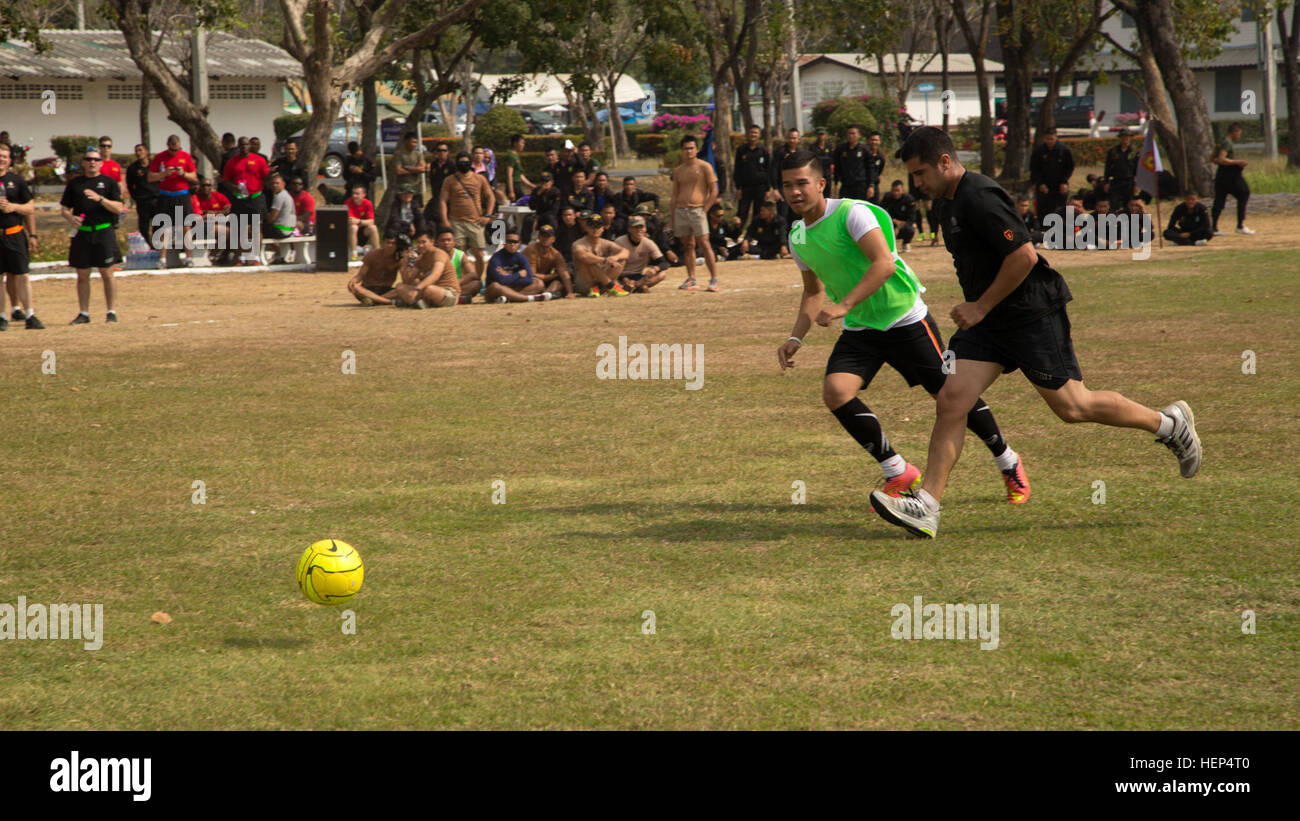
{"x": 1069, "y": 29}
{"x": 974, "y": 19}
{"x": 1290, "y": 34}
{"x": 728, "y": 26}
{"x": 1017, "y": 28}
{"x": 943, "y": 36}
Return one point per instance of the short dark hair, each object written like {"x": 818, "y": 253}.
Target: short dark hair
{"x": 717, "y": 206}
{"x": 427, "y": 233}
{"x": 895, "y": 182}
{"x": 460, "y": 154}
{"x": 767, "y": 204}
{"x": 514, "y": 137}
{"x": 629, "y": 179}
{"x": 855, "y": 126}
{"x": 755, "y": 127}
{"x": 1191, "y": 192}
{"x": 352, "y": 146}
{"x": 444, "y": 230}
{"x": 358, "y": 187}
{"x": 873, "y": 134}
{"x": 789, "y": 131}
{"x": 1234, "y": 126}
{"x": 689, "y": 138}
{"x": 583, "y": 145}
{"x": 1047, "y": 132}
{"x": 408, "y": 135}
{"x": 802, "y": 158}
{"x": 601, "y": 174}
{"x": 927, "y": 144}
{"x": 442, "y": 146}
{"x": 227, "y": 136}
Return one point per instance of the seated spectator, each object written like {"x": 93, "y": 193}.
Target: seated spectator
{"x": 467, "y": 275}
{"x": 213, "y": 206}
{"x": 429, "y": 280}
{"x": 724, "y": 234}
{"x": 358, "y": 169}
{"x": 658, "y": 232}
{"x": 1144, "y": 231}
{"x": 600, "y": 193}
{"x": 612, "y": 225}
{"x": 1190, "y": 223}
{"x": 1099, "y": 222}
{"x": 510, "y": 276}
{"x": 361, "y": 219}
{"x": 567, "y": 232}
{"x": 587, "y": 162}
{"x": 405, "y": 216}
{"x": 629, "y": 198}
{"x": 646, "y": 266}
{"x": 1030, "y": 219}
{"x": 373, "y": 283}
{"x": 548, "y": 263}
{"x": 331, "y": 195}
{"x": 282, "y": 220}
{"x": 767, "y": 235}
{"x": 545, "y": 200}
{"x": 1094, "y": 191}
{"x": 581, "y": 199}
{"x": 304, "y": 205}
{"x": 902, "y": 212}
{"x": 598, "y": 263}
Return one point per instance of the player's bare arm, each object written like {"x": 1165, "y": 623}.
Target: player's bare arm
{"x": 809, "y": 304}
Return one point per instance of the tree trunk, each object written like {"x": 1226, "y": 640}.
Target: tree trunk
{"x": 1016, "y": 35}
{"x": 723, "y": 156}
{"x": 943, "y": 33}
{"x": 1156, "y": 18}
{"x": 144, "y": 111}
{"x": 369, "y": 118}
{"x": 470, "y": 95}
{"x": 780, "y": 81}
{"x": 741, "y": 84}
{"x": 621, "y": 147}
{"x": 976, "y": 40}
{"x": 1291, "y": 72}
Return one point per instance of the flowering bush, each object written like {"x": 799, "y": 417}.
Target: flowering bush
{"x": 696, "y": 123}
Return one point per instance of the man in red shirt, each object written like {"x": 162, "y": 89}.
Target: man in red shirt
{"x": 244, "y": 181}
{"x": 175, "y": 172}
{"x": 304, "y": 205}
{"x": 111, "y": 168}
{"x": 214, "y": 207}
{"x": 361, "y": 215}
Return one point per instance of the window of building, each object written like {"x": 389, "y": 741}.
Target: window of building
{"x": 1227, "y": 90}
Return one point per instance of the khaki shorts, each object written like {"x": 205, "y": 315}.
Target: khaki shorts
{"x": 469, "y": 234}
{"x": 690, "y": 222}
{"x": 449, "y": 298}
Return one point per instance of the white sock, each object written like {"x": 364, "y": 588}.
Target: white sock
{"x": 83, "y": 313}
{"x": 1008, "y": 459}
{"x": 931, "y": 504}
{"x": 1166, "y": 426}
{"x": 894, "y": 466}
{"x": 532, "y": 297}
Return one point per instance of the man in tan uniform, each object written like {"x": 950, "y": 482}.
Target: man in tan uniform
{"x": 465, "y": 203}
{"x": 430, "y": 280}
{"x": 646, "y": 266}
{"x": 695, "y": 188}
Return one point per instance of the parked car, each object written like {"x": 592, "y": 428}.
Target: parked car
{"x": 433, "y": 117}
{"x": 1069, "y": 112}
{"x": 337, "y": 149}
{"x": 540, "y": 122}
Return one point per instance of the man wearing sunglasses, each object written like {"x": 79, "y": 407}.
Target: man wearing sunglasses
{"x": 90, "y": 204}
{"x": 109, "y": 167}
{"x": 176, "y": 175}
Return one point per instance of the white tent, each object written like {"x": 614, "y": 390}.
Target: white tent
{"x": 548, "y": 89}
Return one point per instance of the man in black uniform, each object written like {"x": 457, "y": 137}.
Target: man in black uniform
{"x": 1190, "y": 223}
{"x": 767, "y": 235}
{"x": 358, "y": 169}
{"x": 579, "y": 197}
{"x": 825, "y": 152}
{"x": 1032, "y": 225}
{"x": 89, "y": 204}
{"x": 566, "y": 163}
{"x": 288, "y": 165}
{"x": 852, "y": 171}
{"x": 441, "y": 167}
{"x": 1014, "y": 317}
{"x": 16, "y": 244}
{"x": 229, "y": 147}
{"x": 630, "y": 197}
{"x": 753, "y": 174}
{"x": 144, "y": 194}
{"x": 779, "y": 153}
{"x": 901, "y": 209}
{"x": 724, "y": 234}
{"x": 875, "y": 167}
{"x": 1230, "y": 179}
{"x": 545, "y": 200}
{"x": 1050, "y": 167}
{"x": 1120, "y": 172}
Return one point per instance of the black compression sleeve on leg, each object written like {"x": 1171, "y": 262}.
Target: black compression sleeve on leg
{"x": 863, "y": 426}
{"x": 980, "y": 421}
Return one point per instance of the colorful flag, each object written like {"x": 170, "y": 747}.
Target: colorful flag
{"x": 1149, "y": 166}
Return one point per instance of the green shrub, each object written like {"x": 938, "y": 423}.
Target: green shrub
{"x": 495, "y": 127}
{"x": 70, "y": 147}
{"x": 287, "y": 124}
{"x": 850, "y": 113}
{"x": 649, "y": 145}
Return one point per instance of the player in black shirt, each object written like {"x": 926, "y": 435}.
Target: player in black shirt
{"x": 1014, "y": 317}
{"x": 16, "y": 244}
{"x": 753, "y": 174}
{"x": 90, "y": 203}
{"x": 851, "y": 167}
{"x": 1190, "y": 224}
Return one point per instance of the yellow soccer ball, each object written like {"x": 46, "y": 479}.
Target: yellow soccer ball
{"x": 330, "y": 572}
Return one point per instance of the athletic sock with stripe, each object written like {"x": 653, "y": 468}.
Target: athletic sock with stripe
{"x": 864, "y": 427}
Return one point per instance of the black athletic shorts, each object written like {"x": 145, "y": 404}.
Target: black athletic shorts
{"x": 94, "y": 249}
{"x": 1042, "y": 349}
{"x": 13, "y": 253}
{"x": 915, "y": 351}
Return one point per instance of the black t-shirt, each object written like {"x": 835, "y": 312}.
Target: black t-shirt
{"x": 1183, "y": 220}
{"x": 137, "y": 182}
{"x": 14, "y": 188}
{"x": 980, "y": 229}
{"x": 900, "y": 208}
{"x": 93, "y": 213}
{"x": 851, "y": 164}
{"x": 290, "y": 170}
{"x": 768, "y": 235}
{"x": 753, "y": 167}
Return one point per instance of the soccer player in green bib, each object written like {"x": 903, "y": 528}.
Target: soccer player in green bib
{"x": 846, "y": 248}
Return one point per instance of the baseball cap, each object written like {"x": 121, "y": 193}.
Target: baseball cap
{"x": 546, "y": 231}
{"x": 636, "y": 222}
{"x": 821, "y": 131}
{"x": 406, "y": 188}
{"x": 568, "y": 144}
{"x": 591, "y": 218}
{"x": 546, "y": 175}
{"x": 644, "y": 208}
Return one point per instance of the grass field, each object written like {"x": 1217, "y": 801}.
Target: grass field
{"x": 626, "y": 496}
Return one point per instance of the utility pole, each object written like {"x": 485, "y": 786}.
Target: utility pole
{"x": 81, "y": 15}
{"x": 199, "y": 89}
{"x": 1264, "y": 36}
{"x": 796, "y": 93}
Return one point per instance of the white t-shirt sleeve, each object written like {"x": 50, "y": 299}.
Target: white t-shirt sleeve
{"x": 861, "y": 219}
{"x": 794, "y": 252}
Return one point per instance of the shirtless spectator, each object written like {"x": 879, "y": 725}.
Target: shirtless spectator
{"x": 428, "y": 280}
{"x": 373, "y": 283}
{"x": 548, "y": 263}
{"x": 598, "y": 263}
{"x": 695, "y": 189}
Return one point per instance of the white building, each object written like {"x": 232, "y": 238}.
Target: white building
{"x": 827, "y": 76}
{"x": 547, "y": 90}
{"x": 1223, "y": 78}
{"x": 96, "y": 89}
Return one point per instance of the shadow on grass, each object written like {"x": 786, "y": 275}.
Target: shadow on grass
{"x": 244, "y": 643}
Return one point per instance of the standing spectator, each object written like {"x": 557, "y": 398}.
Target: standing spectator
{"x": 901, "y": 209}
{"x": 1230, "y": 179}
{"x": 144, "y": 194}
{"x": 753, "y": 174}
{"x": 766, "y": 237}
{"x": 405, "y": 216}
{"x": 1190, "y": 223}
{"x": 213, "y": 207}
{"x": 724, "y": 234}
{"x": 646, "y": 266}
{"x": 852, "y": 171}
{"x": 545, "y": 200}
{"x": 598, "y": 263}
{"x": 111, "y": 168}
{"x": 553, "y": 166}
{"x": 580, "y": 196}
{"x": 515, "y": 179}
{"x": 825, "y": 151}
{"x": 283, "y": 218}
{"x": 1030, "y": 219}
{"x": 244, "y": 179}
{"x": 548, "y": 263}
{"x": 600, "y": 193}
{"x": 358, "y": 169}
{"x": 440, "y": 169}
{"x": 465, "y": 204}
{"x": 304, "y": 205}
{"x": 564, "y": 167}
{"x": 482, "y": 166}
{"x": 695, "y": 189}
{"x": 1050, "y": 167}
{"x": 289, "y": 165}
{"x": 17, "y": 205}
{"x": 408, "y": 165}
{"x": 1121, "y": 171}
{"x": 630, "y": 197}
{"x": 255, "y": 145}
{"x": 228, "y": 148}
{"x": 510, "y": 275}
{"x": 587, "y": 162}
{"x": 782, "y": 151}
{"x": 361, "y": 217}
{"x": 875, "y": 167}
{"x": 175, "y": 172}
{"x": 89, "y": 204}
